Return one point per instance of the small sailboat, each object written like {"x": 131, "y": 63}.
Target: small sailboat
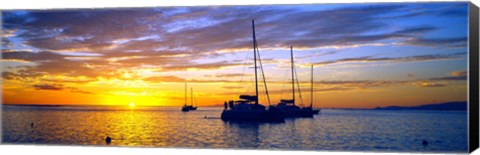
{"x": 247, "y": 107}
{"x": 186, "y": 107}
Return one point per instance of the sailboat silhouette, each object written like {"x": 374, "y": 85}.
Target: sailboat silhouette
{"x": 186, "y": 107}
{"x": 247, "y": 107}
{"x": 288, "y": 106}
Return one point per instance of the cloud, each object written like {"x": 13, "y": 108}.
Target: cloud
{"x": 331, "y": 89}
{"x": 59, "y": 87}
{"x": 454, "y": 10}
{"x": 32, "y": 56}
{"x": 455, "y": 76}
{"x": 362, "y": 83}
{"x": 55, "y": 64}
{"x": 232, "y": 87}
{"x": 332, "y": 85}
{"x": 459, "y": 73}
{"x": 8, "y": 76}
{"x": 48, "y": 86}
{"x": 228, "y": 75}
{"x": 25, "y": 75}
{"x": 67, "y": 80}
{"x": 81, "y": 91}
{"x": 438, "y": 42}
{"x": 308, "y": 90}
{"x": 164, "y": 79}
{"x": 202, "y": 66}
{"x": 64, "y": 29}
{"x": 431, "y": 57}
{"x": 450, "y": 78}
{"x": 429, "y": 84}
{"x": 416, "y": 30}
{"x": 411, "y": 75}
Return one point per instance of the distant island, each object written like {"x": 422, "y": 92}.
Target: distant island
{"x": 448, "y": 106}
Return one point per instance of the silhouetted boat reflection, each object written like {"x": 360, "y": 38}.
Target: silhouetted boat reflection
{"x": 247, "y": 134}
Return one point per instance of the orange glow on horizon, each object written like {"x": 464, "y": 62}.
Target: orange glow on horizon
{"x": 214, "y": 94}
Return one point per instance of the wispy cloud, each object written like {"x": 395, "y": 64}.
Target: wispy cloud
{"x": 165, "y": 79}
{"x": 434, "y": 57}
{"x": 31, "y": 56}
{"x": 59, "y": 87}
{"x": 48, "y": 86}
{"x": 455, "y": 76}
{"x": 438, "y": 42}
{"x": 429, "y": 84}
{"x": 228, "y": 75}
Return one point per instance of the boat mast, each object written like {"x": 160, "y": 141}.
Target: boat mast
{"x": 191, "y": 95}
{"x": 255, "y": 61}
{"x": 311, "y": 89}
{"x": 293, "y": 83}
{"x": 263, "y": 74}
{"x": 185, "y": 93}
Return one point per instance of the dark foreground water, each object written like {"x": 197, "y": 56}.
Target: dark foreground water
{"x": 341, "y": 130}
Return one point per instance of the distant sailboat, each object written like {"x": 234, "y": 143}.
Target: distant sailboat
{"x": 247, "y": 107}
{"x": 186, "y": 107}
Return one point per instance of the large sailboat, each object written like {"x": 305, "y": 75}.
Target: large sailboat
{"x": 247, "y": 107}
{"x": 186, "y": 107}
{"x": 288, "y": 106}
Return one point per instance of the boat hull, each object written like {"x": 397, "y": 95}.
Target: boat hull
{"x": 293, "y": 111}
{"x": 305, "y": 113}
{"x": 188, "y": 108}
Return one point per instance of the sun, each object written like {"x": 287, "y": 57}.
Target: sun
{"x": 131, "y": 104}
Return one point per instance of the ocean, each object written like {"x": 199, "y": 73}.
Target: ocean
{"x": 168, "y": 127}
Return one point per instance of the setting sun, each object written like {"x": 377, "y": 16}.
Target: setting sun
{"x": 131, "y": 104}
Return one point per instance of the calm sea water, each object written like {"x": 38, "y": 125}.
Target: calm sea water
{"x": 343, "y": 130}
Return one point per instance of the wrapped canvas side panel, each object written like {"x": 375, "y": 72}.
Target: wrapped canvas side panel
{"x": 473, "y": 77}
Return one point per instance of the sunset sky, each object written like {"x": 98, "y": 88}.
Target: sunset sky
{"x": 365, "y": 55}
